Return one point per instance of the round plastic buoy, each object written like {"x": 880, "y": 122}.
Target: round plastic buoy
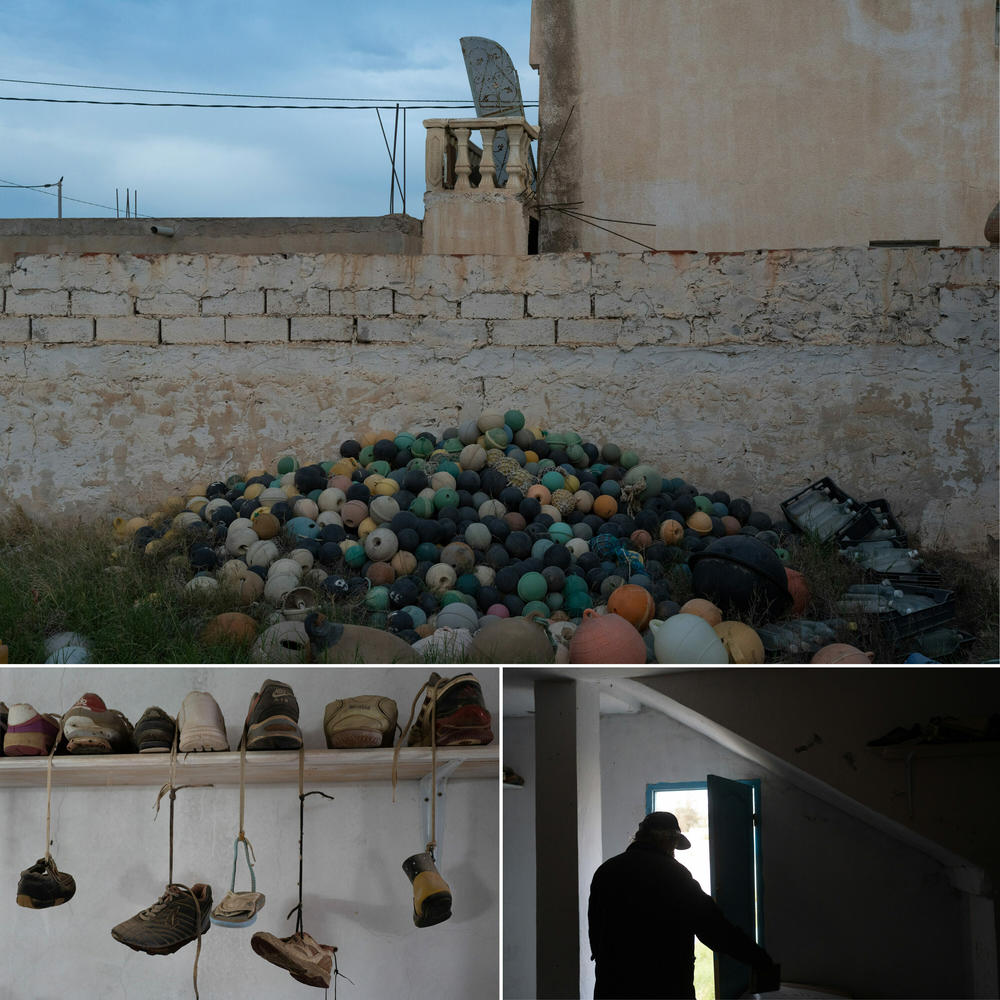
{"x": 687, "y": 638}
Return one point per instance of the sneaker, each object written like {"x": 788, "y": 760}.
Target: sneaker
{"x": 29, "y": 733}
{"x": 367, "y": 720}
{"x": 273, "y": 719}
{"x": 306, "y": 959}
{"x": 431, "y": 895}
{"x": 90, "y": 727}
{"x": 173, "y": 921}
{"x": 43, "y": 885}
{"x": 461, "y": 716}
{"x": 201, "y": 724}
{"x": 154, "y": 732}
{"x": 238, "y": 909}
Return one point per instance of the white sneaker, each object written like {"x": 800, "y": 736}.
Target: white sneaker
{"x": 200, "y": 724}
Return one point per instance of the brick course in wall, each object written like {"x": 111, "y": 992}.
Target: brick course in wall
{"x": 754, "y": 371}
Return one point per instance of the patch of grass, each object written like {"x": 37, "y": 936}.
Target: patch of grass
{"x": 130, "y": 607}
{"x": 973, "y": 582}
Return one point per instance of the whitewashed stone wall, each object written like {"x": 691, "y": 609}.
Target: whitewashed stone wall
{"x": 126, "y": 377}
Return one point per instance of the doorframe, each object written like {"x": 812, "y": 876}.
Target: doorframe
{"x": 755, "y": 786}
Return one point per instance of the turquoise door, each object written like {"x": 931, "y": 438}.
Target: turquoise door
{"x": 734, "y": 876}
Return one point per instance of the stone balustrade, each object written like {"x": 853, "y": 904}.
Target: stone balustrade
{"x": 453, "y": 160}
{"x": 474, "y": 205}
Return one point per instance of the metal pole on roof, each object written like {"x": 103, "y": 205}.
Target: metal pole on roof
{"x": 60, "y": 197}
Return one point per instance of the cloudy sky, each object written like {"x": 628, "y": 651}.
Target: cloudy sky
{"x": 202, "y": 162}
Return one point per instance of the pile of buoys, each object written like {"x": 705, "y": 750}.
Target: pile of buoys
{"x": 492, "y": 528}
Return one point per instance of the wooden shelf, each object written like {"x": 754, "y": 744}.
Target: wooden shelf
{"x": 262, "y": 767}
{"x": 973, "y": 748}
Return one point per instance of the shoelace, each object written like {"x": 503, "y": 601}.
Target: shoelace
{"x": 431, "y": 686}
{"x": 173, "y": 888}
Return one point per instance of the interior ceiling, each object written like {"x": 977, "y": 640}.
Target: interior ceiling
{"x": 519, "y": 685}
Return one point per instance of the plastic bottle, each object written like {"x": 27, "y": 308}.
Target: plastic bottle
{"x": 907, "y": 604}
{"x": 885, "y": 560}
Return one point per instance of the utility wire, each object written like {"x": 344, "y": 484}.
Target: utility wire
{"x": 79, "y": 201}
{"x": 462, "y": 102}
{"x": 279, "y": 107}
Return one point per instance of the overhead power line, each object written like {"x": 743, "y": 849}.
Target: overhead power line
{"x": 384, "y": 101}
{"x": 51, "y": 194}
{"x": 256, "y": 107}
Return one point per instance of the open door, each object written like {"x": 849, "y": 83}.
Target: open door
{"x": 734, "y": 877}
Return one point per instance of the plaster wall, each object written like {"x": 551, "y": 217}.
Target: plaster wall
{"x": 845, "y": 906}
{"x": 362, "y": 234}
{"x": 355, "y": 895}
{"x": 519, "y": 861}
{"x": 732, "y": 125}
{"x": 820, "y": 720}
{"x": 125, "y": 377}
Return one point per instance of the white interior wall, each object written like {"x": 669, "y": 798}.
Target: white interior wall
{"x": 519, "y": 861}
{"x": 845, "y": 906}
{"x": 356, "y": 894}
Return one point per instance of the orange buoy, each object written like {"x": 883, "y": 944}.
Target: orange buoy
{"x": 606, "y": 639}
{"x": 798, "y": 587}
{"x": 231, "y": 626}
{"x": 672, "y": 532}
{"x": 605, "y": 506}
{"x": 634, "y": 603}
{"x": 840, "y": 652}
{"x": 703, "y": 609}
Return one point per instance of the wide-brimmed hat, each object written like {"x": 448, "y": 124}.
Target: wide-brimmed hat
{"x": 662, "y": 822}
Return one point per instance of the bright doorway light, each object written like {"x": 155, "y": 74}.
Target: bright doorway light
{"x": 689, "y": 803}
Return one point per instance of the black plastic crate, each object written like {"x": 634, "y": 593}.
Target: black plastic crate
{"x": 902, "y": 581}
{"x": 898, "y": 626}
{"x": 925, "y": 642}
{"x": 883, "y": 512}
{"x": 863, "y": 522}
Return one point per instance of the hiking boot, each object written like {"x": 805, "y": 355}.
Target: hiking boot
{"x": 238, "y": 909}
{"x": 29, "y": 733}
{"x": 273, "y": 719}
{"x": 431, "y": 895}
{"x": 43, "y": 885}
{"x": 89, "y": 727}
{"x": 171, "y": 922}
{"x": 201, "y": 724}
{"x": 308, "y": 961}
{"x": 367, "y": 720}
{"x": 461, "y": 717}
{"x": 154, "y": 732}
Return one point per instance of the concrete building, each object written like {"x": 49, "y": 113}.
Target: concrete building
{"x": 878, "y": 865}
{"x": 734, "y": 126}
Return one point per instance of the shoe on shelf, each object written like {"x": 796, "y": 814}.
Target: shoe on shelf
{"x": 29, "y": 733}
{"x": 201, "y": 724}
{"x": 43, "y": 885}
{"x": 89, "y": 727}
{"x": 173, "y": 921}
{"x": 366, "y": 720}
{"x": 273, "y": 719}
{"x": 306, "y": 959}
{"x": 238, "y": 909}
{"x": 431, "y": 895}
{"x": 154, "y": 732}
{"x": 461, "y": 717}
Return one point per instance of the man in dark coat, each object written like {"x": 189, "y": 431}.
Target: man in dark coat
{"x": 645, "y": 909}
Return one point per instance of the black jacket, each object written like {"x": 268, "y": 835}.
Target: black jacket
{"x": 645, "y": 909}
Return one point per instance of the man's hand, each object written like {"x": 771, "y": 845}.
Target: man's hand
{"x": 765, "y": 978}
